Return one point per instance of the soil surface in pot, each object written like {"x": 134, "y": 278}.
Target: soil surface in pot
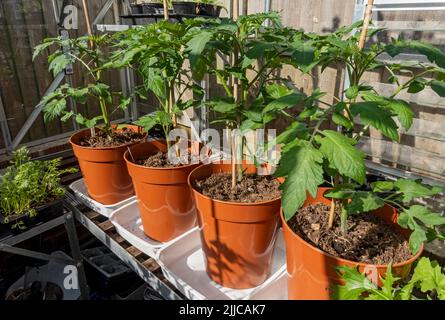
{"x": 252, "y": 189}
{"x": 369, "y": 239}
{"x": 118, "y": 138}
{"x": 160, "y": 160}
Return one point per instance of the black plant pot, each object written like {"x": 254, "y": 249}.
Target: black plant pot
{"x": 152, "y": 8}
{"x": 45, "y": 213}
{"x": 194, "y": 8}
{"x": 136, "y": 9}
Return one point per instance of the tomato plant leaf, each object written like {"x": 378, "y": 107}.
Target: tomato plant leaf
{"x": 342, "y": 155}
{"x": 372, "y": 114}
{"x": 412, "y": 189}
{"x": 301, "y": 165}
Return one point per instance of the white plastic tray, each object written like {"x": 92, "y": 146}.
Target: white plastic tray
{"x": 129, "y": 225}
{"x": 182, "y": 263}
{"x": 81, "y": 193}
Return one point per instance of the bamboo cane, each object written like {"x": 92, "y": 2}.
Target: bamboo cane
{"x": 87, "y": 21}
{"x": 235, "y": 150}
{"x": 165, "y": 9}
{"x": 171, "y": 97}
{"x": 361, "y": 45}
{"x": 366, "y": 21}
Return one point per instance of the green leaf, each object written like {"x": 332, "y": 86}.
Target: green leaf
{"x": 418, "y": 236}
{"x": 58, "y": 64}
{"x": 403, "y": 111}
{"x": 341, "y": 191}
{"x": 433, "y": 54}
{"x": 54, "y": 109}
{"x": 363, "y": 201}
{"x": 372, "y": 114}
{"x": 388, "y": 284}
{"x": 304, "y": 55}
{"x": 41, "y": 47}
{"x": 352, "y": 92}
{"x": 424, "y": 215}
{"x": 412, "y": 189}
{"x": 101, "y": 90}
{"x": 277, "y": 91}
{"x": 67, "y": 116}
{"x": 413, "y": 218}
{"x": 341, "y": 120}
{"x": 342, "y": 155}
{"x": 382, "y": 186}
{"x": 429, "y": 276}
{"x": 249, "y": 124}
{"x": 79, "y": 95}
{"x": 285, "y": 102}
{"x": 355, "y": 284}
{"x": 301, "y": 165}
{"x": 416, "y": 86}
{"x": 399, "y": 107}
{"x": 294, "y": 131}
{"x": 196, "y": 46}
{"x": 258, "y": 49}
{"x": 124, "y": 103}
{"x": 438, "y": 87}
{"x": 156, "y": 84}
{"x": 222, "y": 105}
{"x": 147, "y": 122}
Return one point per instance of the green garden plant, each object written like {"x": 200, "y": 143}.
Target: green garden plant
{"x": 156, "y": 52}
{"x": 91, "y": 54}
{"x": 250, "y": 53}
{"x": 318, "y": 156}
{"x": 426, "y": 282}
{"x": 28, "y": 184}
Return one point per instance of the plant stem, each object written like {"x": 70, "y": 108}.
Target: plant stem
{"x": 104, "y": 111}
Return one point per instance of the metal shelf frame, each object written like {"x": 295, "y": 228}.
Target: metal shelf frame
{"x": 9, "y": 245}
{"x": 130, "y": 260}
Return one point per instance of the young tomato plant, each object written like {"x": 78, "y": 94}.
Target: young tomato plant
{"x": 249, "y": 53}
{"x": 90, "y": 53}
{"x": 426, "y": 282}
{"x": 306, "y": 163}
{"x": 157, "y": 53}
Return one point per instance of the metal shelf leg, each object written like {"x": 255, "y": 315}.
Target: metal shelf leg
{"x": 75, "y": 254}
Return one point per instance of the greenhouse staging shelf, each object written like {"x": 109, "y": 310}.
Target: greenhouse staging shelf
{"x": 80, "y": 191}
{"x": 144, "y": 266}
{"x": 176, "y": 269}
{"x": 128, "y": 224}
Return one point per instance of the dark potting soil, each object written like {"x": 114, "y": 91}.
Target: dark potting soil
{"x": 160, "y": 160}
{"x": 252, "y": 189}
{"x": 118, "y": 138}
{"x": 369, "y": 239}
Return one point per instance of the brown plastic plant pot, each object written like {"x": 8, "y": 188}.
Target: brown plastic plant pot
{"x": 237, "y": 238}
{"x": 312, "y": 272}
{"x": 165, "y": 203}
{"x": 104, "y": 170}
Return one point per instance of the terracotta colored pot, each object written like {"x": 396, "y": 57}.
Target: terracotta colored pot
{"x": 104, "y": 170}
{"x": 237, "y": 238}
{"x": 311, "y": 272}
{"x": 165, "y": 201}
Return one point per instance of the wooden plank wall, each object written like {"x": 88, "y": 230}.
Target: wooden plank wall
{"x": 422, "y": 148}
{"x": 23, "y": 25}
